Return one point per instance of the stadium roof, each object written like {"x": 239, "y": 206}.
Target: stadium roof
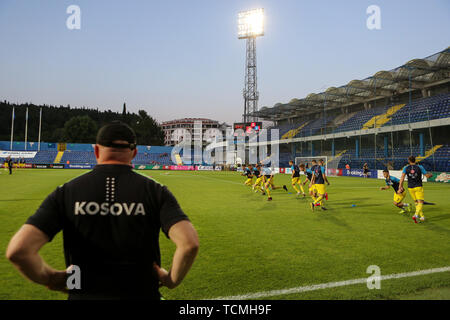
{"x": 417, "y": 73}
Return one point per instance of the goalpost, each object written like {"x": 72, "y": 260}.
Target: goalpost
{"x": 307, "y": 161}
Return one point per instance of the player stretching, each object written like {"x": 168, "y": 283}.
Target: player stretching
{"x": 398, "y": 197}
{"x": 415, "y": 186}
{"x": 248, "y": 172}
{"x": 318, "y": 179}
{"x": 295, "y": 178}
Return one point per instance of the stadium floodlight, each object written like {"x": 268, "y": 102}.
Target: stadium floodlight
{"x": 251, "y": 23}
{"x": 250, "y": 26}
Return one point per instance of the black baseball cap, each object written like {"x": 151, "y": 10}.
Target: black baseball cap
{"x": 116, "y": 130}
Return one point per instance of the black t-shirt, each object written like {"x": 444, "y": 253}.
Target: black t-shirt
{"x": 414, "y": 173}
{"x": 10, "y": 163}
{"x": 318, "y": 171}
{"x": 295, "y": 170}
{"x": 394, "y": 182}
{"x": 309, "y": 174}
{"x": 111, "y": 219}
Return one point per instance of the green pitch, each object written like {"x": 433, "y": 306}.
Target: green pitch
{"x": 249, "y": 245}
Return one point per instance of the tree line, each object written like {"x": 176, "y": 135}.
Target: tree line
{"x": 73, "y": 125}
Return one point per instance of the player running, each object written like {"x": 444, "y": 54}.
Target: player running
{"x": 259, "y": 183}
{"x": 271, "y": 181}
{"x": 308, "y": 173}
{"x": 268, "y": 181}
{"x": 248, "y": 172}
{"x": 398, "y": 197}
{"x": 319, "y": 178}
{"x": 415, "y": 186}
{"x": 295, "y": 178}
{"x": 322, "y": 163}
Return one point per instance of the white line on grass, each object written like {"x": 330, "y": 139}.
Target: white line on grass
{"x": 264, "y": 294}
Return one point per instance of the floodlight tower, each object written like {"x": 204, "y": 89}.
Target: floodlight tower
{"x": 250, "y": 26}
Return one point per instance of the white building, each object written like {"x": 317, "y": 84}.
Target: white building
{"x": 199, "y": 129}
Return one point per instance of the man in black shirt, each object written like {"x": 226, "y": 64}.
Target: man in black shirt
{"x": 365, "y": 170}
{"x": 111, "y": 218}
{"x": 10, "y": 164}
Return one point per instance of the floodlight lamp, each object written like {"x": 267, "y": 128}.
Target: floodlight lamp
{"x": 251, "y": 23}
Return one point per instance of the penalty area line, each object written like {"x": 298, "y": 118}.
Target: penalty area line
{"x": 264, "y": 294}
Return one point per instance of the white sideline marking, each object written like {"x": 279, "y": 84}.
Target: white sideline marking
{"x": 258, "y": 295}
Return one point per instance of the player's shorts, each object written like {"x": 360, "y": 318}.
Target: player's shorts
{"x": 312, "y": 189}
{"x": 416, "y": 193}
{"x": 269, "y": 180}
{"x": 259, "y": 181}
{"x": 320, "y": 188}
{"x": 295, "y": 180}
{"x": 249, "y": 181}
{"x": 398, "y": 198}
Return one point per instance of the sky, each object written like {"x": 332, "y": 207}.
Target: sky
{"x": 178, "y": 59}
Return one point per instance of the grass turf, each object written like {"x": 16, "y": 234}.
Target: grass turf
{"x": 248, "y": 244}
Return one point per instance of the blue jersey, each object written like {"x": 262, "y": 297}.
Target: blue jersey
{"x": 414, "y": 173}
{"x": 309, "y": 174}
{"x": 318, "y": 172}
{"x": 248, "y": 173}
{"x": 256, "y": 172}
{"x": 393, "y": 182}
{"x": 295, "y": 170}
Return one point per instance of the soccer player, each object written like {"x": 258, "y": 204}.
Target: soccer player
{"x": 268, "y": 181}
{"x": 295, "y": 178}
{"x": 415, "y": 186}
{"x": 248, "y": 171}
{"x": 318, "y": 181}
{"x": 398, "y": 197}
{"x": 322, "y": 163}
{"x": 271, "y": 181}
{"x": 365, "y": 170}
{"x": 309, "y": 174}
{"x": 259, "y": 183}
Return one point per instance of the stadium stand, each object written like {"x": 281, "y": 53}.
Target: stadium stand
{"x": 436, "y": 107}
{"x": 78, "y": 153}
{"x": 43, "y": 157}
{"x": 380, "y": 120}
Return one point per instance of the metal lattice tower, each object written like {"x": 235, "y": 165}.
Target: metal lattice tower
{"x": 250, "y": 26}
{"x": 250, "y": 92}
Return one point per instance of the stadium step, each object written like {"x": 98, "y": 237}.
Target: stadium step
{"x": 178, "y": 158}
{"x": 58, "y": 157}
{"x": 380, "y": 120}
{"x": 429, "y": 153}
{"x": 336, "y": 156}
{"x": 292, "y": 133}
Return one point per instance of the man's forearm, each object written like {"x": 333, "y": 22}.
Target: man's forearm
{"x": 33, "y": 267}
{"x": 183, "y": 259}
